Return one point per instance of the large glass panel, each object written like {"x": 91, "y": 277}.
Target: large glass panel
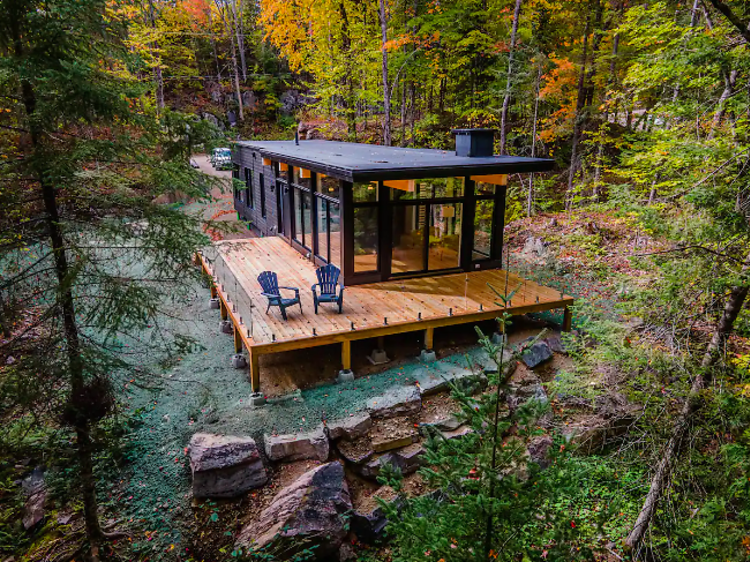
{"x": 328, "y": 186}
{"x": 484, "y": 188}
{"x": 307, "y": 218}
{"x": 300, "y": 180}
{"x": 365, "y": 191}
{"x": 409, "y": 189}
{"x": 365, "y": 239}
{"x": 407, "y": 253}
{"x": 334, "y": 226}
{"x": 323, "y": 229}
{"x": 483, "y": 214}
{"x": 445, "y": 236}
{"x": 448, "y": 187}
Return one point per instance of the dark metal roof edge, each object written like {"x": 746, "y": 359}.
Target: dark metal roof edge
{"x": 370, "y": 174}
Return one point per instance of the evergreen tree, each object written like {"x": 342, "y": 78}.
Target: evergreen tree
{"x": 87, "y": 254}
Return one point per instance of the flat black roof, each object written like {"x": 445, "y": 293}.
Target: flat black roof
{"x": 365, "y": 162}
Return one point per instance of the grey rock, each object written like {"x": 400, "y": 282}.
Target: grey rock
{"x": 347, "y": 552}
{"x": 407, "y": 460}
{"x": 225, "y": 466}
{"x": 232, "y": 118}
{"x": 457, "y": 433}
{"x": 369, "y": 527}
{"x": 249, "y": 101}
{"x": 351, "y": 427}
{"x": 402, "y": 401}
{"x": 536, "y": 354}
{"x": 451, "y": 423}
{"x": 307, "y": 514}
{"x": 555, "y": 343}
{"x": 297, "y": 446}
{"x": 538, "y": 449}
{"x": 35, "y": 491}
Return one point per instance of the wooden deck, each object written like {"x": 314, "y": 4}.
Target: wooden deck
{"x": 370, "y": 311}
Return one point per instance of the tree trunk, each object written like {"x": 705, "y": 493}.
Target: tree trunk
{"x": 157, "y": 68}
{"x": 730, "y": 80}
{"x": 509, "y": 79}
{"x": 578, "y": 116}
{"x": 235, "y": 66}
{"x": 386, "y": 87}
{"x": 660, "y": 479}
{"x": 239, "y": 31}
{"x": 213, "y": 43}
{"x": 530, "y": 194}
{"x": 611, "y": 82}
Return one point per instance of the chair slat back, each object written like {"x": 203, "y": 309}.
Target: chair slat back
{"x": 328, "y": 277}
{"x": 269, "y": 282}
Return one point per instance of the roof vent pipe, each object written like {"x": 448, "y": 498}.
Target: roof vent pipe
{"x": 474, "y": 143}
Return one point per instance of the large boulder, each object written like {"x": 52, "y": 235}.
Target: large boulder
{"x": 536, "y": 354}
{"x": 298, "y": 446}
{"x": 401, "y": 401}
{"x": 225, "y": 466}
{"x": 307, "y": 514}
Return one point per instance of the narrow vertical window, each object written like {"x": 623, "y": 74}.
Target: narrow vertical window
{"x": 249, "y": 198}
{"x": 262, "y": 182}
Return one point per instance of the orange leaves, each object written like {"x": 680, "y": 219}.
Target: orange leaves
{"x": 560, "y": 80}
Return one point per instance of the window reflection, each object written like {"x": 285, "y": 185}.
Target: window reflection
{"x": 445, "y": 236}
{"x": 365, "y": 239}
{"x": 407, "y": 253}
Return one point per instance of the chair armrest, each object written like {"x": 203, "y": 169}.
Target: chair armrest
{"x": 271, "y": 296}
{"x": 313, "y": 288}
{"x": 295, "y": 289}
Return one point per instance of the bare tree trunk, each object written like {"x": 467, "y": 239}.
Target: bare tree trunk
{"x": 235, "y": 66}
{"x": 386, "y": 87}
{"x": 530, "y": 194}
{"x": 157, "y": 68}
{"x": 611, "y": 81}
{"x": 660, "y": 479}
{"x": 239, "y": 31}
{"x": 213, "y": 43}
{"x": 578, "y": 116}
{"x": 730, "y": 80}
{"x": 509, "y": 80}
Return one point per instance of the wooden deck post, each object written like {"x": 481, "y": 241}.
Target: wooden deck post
{"x": 428, "y": 337}
{"x": 223, "y": 310}
{"x": 254, "y": 370}
{"x": 237, "y": 339}
{"x": 346, "y": 355}
{"x": 214, "y": 292}
{"x": 567, "y": 319}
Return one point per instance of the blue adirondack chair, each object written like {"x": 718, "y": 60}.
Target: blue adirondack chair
{"x": 271, "y": 290}
{"x": 328, "y": 278}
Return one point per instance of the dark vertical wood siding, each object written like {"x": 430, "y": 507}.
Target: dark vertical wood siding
{"x": 248, "y": 158}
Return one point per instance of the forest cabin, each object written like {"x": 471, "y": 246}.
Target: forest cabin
{"x": 381, "y": 212}
{"x": 416, "y": 234}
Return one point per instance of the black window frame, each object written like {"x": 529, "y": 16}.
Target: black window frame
{"x": 249, "y": 192}
{"x": 262, "y": 184}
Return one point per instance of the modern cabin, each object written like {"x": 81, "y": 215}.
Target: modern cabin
{"x": 381, "y": 212}
{"x": 416, "y": 233}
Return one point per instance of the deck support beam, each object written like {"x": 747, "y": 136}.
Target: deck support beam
{"x": 214, "y": 291}
{"x": 253, "y": 370}
{"x": 429, "y": 335}
{"x": 346, "y": 355}
{"x": 567, "y": 319}
{"x": 237, "y": 339}
{"x": 223, "y": 310}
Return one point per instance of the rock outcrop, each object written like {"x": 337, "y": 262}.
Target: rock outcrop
{"x": 35, "y": 491}
{"x": 224, "y": 466}
{"x": 308, "y": 513}
{"x": 351, "y": 427}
